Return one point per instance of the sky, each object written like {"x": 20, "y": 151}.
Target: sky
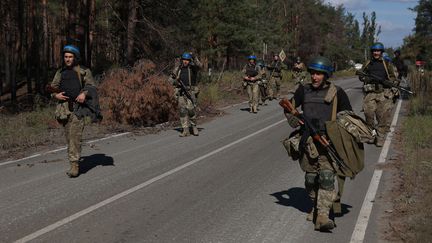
{"x": 394, "y": 17}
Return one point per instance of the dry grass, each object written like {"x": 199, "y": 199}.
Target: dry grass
{"x": 412, "y": 217}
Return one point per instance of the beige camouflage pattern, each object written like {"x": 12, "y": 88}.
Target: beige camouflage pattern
{"x": 322, "y": 199}
{"x": 73, "y": 131}
{"x": 252, "y": 89}
{"x": 187, "y": 110}
{"x": 274, "y": 87}
{"x": 379, "y": 106}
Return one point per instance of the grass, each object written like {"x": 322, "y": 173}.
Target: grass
{"x": 26, "y": 129}
{"x": 412, "y": 203}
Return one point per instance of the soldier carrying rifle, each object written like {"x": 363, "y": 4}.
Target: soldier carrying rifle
{"x": 184, "y": 78}
{"x": 253, "y": 75}
{"x": 320, "y": 101}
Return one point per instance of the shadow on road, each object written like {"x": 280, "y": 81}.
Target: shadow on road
{"x": 245, "y": 109}
{"x": 295, "y": 197}
{"x": 89, "y": 162}
{"x": 298, "y": 198}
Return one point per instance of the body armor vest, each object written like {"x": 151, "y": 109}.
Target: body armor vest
{"x": 251, "y": 70}
{"x": 70, "y": 83}
{"x": 315, "y": 108}
{"x": 187, "y": 75}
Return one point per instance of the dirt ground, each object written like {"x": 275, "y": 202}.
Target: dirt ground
{"x": 406, "y": 197}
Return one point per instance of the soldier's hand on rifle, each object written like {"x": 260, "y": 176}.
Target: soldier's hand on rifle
{"x": 80, "y": 98}
{"x": 61, "y": 96}
{"x": 293, "y": 121}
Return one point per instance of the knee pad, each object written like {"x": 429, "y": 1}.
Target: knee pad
{"x": 326, "y": 180}
{"x": 310, "y": 179}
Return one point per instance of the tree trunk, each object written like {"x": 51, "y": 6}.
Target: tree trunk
{"x": 92, "y": 27}
{"x": 28, "y": 46}
{"x": 133, "y": 5}
{"x": 45, "y": 53}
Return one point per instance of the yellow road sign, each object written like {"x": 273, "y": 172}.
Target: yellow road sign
{"x": 282, "y": 55}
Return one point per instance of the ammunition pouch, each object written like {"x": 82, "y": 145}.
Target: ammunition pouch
{"x": 311, "y": 148}
{"x": 292, "y": 144}
{"x": 62, "y": 111}
{"x": 373, "y": 87}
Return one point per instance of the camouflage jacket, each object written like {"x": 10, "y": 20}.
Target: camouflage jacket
{"x": 86, "y": 78}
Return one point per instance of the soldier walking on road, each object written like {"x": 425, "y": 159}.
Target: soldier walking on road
{"x": 184, "y": 79}
{"x": 379, "y": 98}
{"x": 275, "y": 72}
{"x": 299, "y": 71}
{"x": 72, "y": 80}
{"x": 253, "y": 74}
{"x": 320, "y": 101}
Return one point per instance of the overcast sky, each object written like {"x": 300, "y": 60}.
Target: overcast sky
{"x": 394, "y": 16}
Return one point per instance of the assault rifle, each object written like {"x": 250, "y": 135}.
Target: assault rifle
{"x": 50, "y": 89}
{"x": 383, "y": 82}
{"x": 184, "y": 89}
{"x": 315, "y": 134}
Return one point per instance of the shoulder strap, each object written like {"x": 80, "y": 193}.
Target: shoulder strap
{"x": 334, "y": 110}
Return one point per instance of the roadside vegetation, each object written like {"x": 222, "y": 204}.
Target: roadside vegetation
{"x": 411, "y": 217}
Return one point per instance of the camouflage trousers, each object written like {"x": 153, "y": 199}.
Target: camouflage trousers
{"x": 73, "y": 130}
{"x": 320, "y": 180}
{"x": 187, "y": 111}
{"x": 253, "y": 94}
{"x": 379, "y": 106}
{"x": 274, "y": 87}
{"x": 299, "y": 77}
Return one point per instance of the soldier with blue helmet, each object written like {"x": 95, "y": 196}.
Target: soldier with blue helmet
{"x": 320, "y": 101}
{"x": 186, "y": 74}
{"x": 71, "y": 79}
{"x": 379, "y": 98}
{"x": 253, "y": 74}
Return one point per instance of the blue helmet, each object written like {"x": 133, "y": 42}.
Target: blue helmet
{"x": 252, "y": 57}
{"x": 186, "y": 56}
{"x": 72, "y": 49}
{"x": 386, "y": 57}
{"x": 377, "y": 46}
{"x": 321, "y": 64}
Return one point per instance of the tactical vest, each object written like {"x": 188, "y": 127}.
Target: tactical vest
{"x": 317, "y": 110}
{"x": 276, "y": 69}
{"x": 70, "y": 83}
{"x": 187, "y": 75}
{"x": 251, "y": 70}
{"x": 377, "y": 68}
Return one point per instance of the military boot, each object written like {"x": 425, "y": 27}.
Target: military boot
{"x": 379, "y": 142}
{"x": 255, "y": 109}
{"x": 185, "y": 132}
{"x": 323, "y": 223}
{"x": 74, "y": 169}
{"x": 310, "y": 215}
{"x": 195, "y": 131}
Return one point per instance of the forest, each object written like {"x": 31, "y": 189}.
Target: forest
{"x": 112, "y": 33}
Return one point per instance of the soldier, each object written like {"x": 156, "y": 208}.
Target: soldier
{"x": 402, "y": 69}
{"x": 320, "y": 101}
{"x": 184, "y": 78}
{"x": 263, "y": 84}
{"x": 275, "y": 69}
{"x": 299, "y": 71}
{"x": 379, "y": 99}
{"x": 250, "y": 82}
{"x": 71, "y": 79}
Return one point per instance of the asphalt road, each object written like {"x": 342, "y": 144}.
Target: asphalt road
{"x": 233, "y": 183}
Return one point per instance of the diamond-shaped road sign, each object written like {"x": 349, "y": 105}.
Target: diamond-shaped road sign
{"x": 282, "y": 55}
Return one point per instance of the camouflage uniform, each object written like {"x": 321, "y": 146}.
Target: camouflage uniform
{"x": 320, "y": 105}
{"x": 378, "y": 101}
{"x": 252, "y": 88}
{"x": 299, "y": 72}
{"x": 187, "y": 110}
{"x": 275, "y": 79}
{"x": 73, "y": 126}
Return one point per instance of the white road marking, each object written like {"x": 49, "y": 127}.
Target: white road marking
{"x": 61, "y": 149}
{"x": 366, "y": 209}
{"x": 136, "y": 188}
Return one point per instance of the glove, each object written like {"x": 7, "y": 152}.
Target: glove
{"x": 293, "y": 121}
